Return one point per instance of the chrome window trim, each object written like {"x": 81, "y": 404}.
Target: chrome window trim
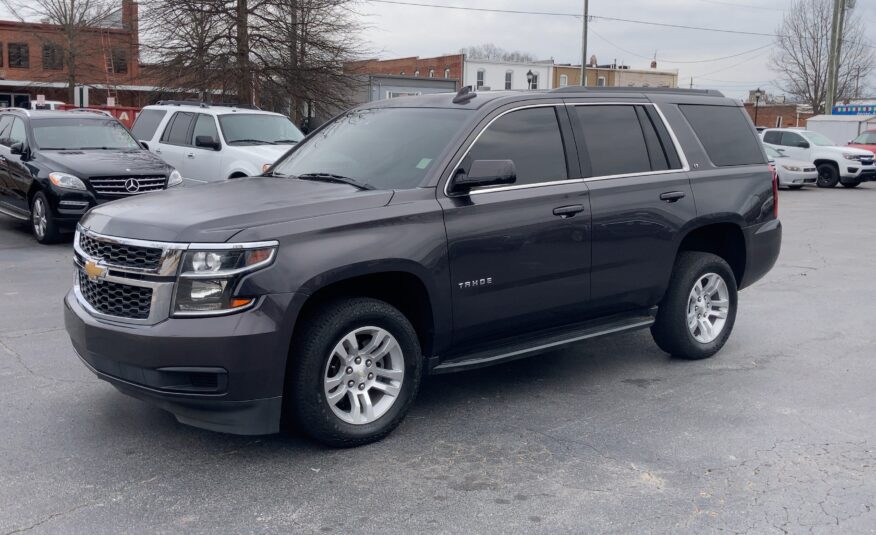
{"x": 685, "y": 166}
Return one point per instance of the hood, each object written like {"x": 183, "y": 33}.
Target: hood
{"x": 266, "y": 153}
{"x": 869, "y": 148}
{"x": 88, "y": 163}
{"x": 216, "y": 212}
{"x": 847, "y": 150}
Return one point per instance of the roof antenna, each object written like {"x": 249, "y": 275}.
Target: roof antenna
{"x": 464, "y": 95}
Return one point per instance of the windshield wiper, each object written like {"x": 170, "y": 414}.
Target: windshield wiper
{"x": 286, "y": 141}
{"x": 252, "y": 141}
{"x": 329, "y": 177}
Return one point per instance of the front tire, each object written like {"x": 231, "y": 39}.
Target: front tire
{"x": 355, "y": 369}
{"x": 851, "y": 184}
{"x": 698, "y": 312}
{"x": 828, "y": 175}
{"x": 42, "y": 222}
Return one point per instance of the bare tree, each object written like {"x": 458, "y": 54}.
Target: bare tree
{"x": 491, "y": 52}
{"x": 76, "y": 18}
{"x": 802, "y": 49}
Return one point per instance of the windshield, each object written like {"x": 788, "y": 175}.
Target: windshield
{"x": 817, "y": 139}
{"x": 773, "y": 153}
{"x": 388, "y": 148}
{"x": 80, "y": 134}
{"x": 867, "y": 138}
{"x": 258, "y": 129}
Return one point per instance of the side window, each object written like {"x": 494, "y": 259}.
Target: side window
{"x": 205, "y": 126}
{"x": 614, "y": 139}
{"x": 792, "y": 139}
{"x": 147, "y": 123}
{"x": 17, "y": 134}
{"x": 177, "y": 131}
{"x": 773, "y": 138}
{"x": 726, "y": 133}
{"x": 5, "y": 125}
{"x": 531, "y": 138}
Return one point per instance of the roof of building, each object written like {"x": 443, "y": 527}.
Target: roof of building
{"x": 843, "y": 118}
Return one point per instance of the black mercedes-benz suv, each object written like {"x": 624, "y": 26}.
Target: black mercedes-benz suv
{"x": 426, "y": 235}
{"x": 55, "y": 165}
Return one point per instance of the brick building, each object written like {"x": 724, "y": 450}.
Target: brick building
{"x": 446, "y": 67}
{"x": 31, "y": 62}
{"x": 778, "y": 115}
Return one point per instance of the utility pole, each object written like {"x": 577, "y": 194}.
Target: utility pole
{"x": 584, "y": 44}
{"x": 836, "y": 45}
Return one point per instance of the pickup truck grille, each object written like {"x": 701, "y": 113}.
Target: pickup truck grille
{"x": 126, "y": 185}
{"x": 866, "y": 160}
{"x": 122, "y": 255}
{"x": 114, "y": 299}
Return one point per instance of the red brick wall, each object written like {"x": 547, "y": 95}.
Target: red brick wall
{"x": 767, "y": 115}
{"x": 410, "y": 65}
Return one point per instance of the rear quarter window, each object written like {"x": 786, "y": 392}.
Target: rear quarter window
{"x": 147, "y": 123}
{"x": 725, "y": 133}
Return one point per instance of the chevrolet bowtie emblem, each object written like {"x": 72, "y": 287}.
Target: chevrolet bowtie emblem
{"x": 93, "y": 271}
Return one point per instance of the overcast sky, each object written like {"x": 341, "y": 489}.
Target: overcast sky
{"x": 397, "y": 31}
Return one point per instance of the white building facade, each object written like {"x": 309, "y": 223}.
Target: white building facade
{"x": 499, "y": 76}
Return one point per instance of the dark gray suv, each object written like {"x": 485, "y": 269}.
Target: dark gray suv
{"x": 426, "y": 235}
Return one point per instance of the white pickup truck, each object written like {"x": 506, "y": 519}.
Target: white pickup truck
{"x": 836, "y": 164}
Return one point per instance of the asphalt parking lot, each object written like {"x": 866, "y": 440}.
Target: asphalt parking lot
{"x": 777, "y": 433}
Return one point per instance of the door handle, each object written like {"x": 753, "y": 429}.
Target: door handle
{"x": 672, "y": 196}
{"x": 190, "y": 155}
{"x": 569, "y": 211}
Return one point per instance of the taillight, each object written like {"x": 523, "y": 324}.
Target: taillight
{"x": 775, "y": 191}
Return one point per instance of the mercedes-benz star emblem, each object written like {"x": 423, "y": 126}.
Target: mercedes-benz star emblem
{"x": 132, "y": 185}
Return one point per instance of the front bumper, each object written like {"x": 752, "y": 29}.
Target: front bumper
{"x": 857, "y": 172}
{"x": 221, "y": 373}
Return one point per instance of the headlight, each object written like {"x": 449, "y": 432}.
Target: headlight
{"x": 209, "y": 278}
{"x": 174, "y": 179}
{"x": 791, "y": 168}
{"x": 851, "y": 156}
{"x": 64, "y": 180}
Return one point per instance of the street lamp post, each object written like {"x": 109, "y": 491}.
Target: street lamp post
{"x": 757, "y": 95}
{"x": 529, "y": 77}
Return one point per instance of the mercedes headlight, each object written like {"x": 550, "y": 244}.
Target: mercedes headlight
{"x": 68, "y": 181}
{"x": 174, "y": 179}
{"x": 209, "y": 278}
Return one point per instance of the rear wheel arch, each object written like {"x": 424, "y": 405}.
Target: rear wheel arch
{"x": 725, "y": 240}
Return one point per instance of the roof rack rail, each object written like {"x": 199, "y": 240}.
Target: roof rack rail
{"x": 17, "y": 109}
{"x": 669, "y": 90}
{"x": 90, "y": 110}
{"x": 202, "y": 104}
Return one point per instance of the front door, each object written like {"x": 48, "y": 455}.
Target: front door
{"x": 640, "y": 195}
{"x": 17, "y": 175}
{"x": 520, "y": 255}
{"x": 203, "y": 163}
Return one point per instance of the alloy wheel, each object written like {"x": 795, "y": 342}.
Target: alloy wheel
{"x": 39, "y": 218}
{"x": 707, "y": 307}
{"x": 364, "y": 374}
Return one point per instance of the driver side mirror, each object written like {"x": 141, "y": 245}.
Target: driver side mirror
{"x": 803, "y": 144}
{"x": 485, "y": 173}
{"x": 207, "y": 142}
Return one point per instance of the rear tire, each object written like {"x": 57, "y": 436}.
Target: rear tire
{"x": 828, "y": 175}
{"x": 689, "y": 328}
{"x": 343, "y": 392}
{"x": 42, "y": 221}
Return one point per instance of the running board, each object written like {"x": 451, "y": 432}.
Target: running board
{"x": 545, "y": 341}
{"x": 15, "y": 215}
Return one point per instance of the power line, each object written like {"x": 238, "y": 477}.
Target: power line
{"x": 576, "y": 15}
{"x": 749, "y": 6}
{"x": 710, "y": 60}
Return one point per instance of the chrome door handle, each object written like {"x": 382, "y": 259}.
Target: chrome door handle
{"x": 672, "y": 196}
{"x": 569, "y": 211}
{"x": 191, "y": 155}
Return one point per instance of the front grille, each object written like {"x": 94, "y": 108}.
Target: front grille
{"x": 126, "y": 185}
{"x": 866, "y": 161}
{"x": 115, "y": 299}
{"x": 809, "y": 169}
{"x": 121, "y": 255}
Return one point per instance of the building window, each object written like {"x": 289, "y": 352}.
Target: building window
{"x": 480, "y": 81}
{"x": 53, "y": 58}
{"x": 1, "y": 54}
{"x": 120, "y": 61}
{"x": 509, "y": 78}
{"x": 447, "y": 73}
{"x": 534, "y": 83}
{"x": 564, "y": 80}
{"x": 600, "y": 82}
{"x": 779, "y": 121}
{"x": 431, "y": 73}
{"x": 19, "y": 56}
{"x": 417, "y": 72}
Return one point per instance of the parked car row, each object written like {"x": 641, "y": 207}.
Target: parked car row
{"x": 56, "y": 165}
{"x": 801, "y": 155}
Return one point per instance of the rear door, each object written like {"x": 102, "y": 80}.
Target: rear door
{"x": 640, "y": 196}
{"x": 203, "y": 163}
{"x": 18, "y": 176}
{"x": 175, "y": 141}
{"x": 520, "y": 255}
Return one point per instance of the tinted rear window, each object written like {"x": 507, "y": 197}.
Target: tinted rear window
{"x": 614, "y": 138}
{"x": 147, "y": 123}
{"x": 725, "y": 133}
